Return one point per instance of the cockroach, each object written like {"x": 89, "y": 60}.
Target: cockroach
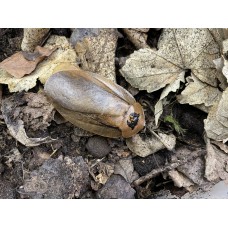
{"x": 94, "y": 103}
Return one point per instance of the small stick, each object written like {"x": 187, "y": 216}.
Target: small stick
{"x": 193, "y": 155}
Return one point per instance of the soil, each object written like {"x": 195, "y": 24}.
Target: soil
{"x": 47, "y": 164}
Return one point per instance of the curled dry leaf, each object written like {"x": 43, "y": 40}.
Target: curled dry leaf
{"x": 173, "y": 87}
{"x": 216, "y": 164}
{"x": 216, "y": 123}
{"x": 178, "y": 51}
{"x": 96, "y": 50}
{"x": 144, "y": 147}
{"x": 37, "y": 115}
{"x": 137, "y": 36}
{"x": 64, "y": 54}
{"x": 199, "y": 93}
{"x": 180, "y": 180}
{"x": 33, "y": 37}
{"x": 22, "y": 63}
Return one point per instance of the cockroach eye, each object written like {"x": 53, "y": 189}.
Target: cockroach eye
{"x": 133, "y": 120}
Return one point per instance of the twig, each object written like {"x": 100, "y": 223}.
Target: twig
{"x": 193, "y": 155}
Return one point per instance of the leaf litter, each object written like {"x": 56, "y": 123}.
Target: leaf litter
{"x": 189, "y": 164}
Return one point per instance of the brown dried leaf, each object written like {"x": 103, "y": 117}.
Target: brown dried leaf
{"x": 65, "y": 54}
{"x": 22, "y": 63}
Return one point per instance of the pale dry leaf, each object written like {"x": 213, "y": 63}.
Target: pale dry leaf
{"x": 222, "y": 111}
{"x": 137, "y": 36}
{"x": 125, "y": 168}
{"x": 17, "y": 130}
{"x": 173, "y": 87}
{"x": 225, "y": 47}
{"x": 23, "y": 63}
{"x": 216, "y": 124}
{"x": 219, "y": 64}
{"x": 178, "y": 50}
{"x": 199, "y": 93}
{"x": 214, "y": 129}
{"x": 225, "y": 69}
{"x": 96, "y": 51}
{"x": 216, "y": 164}
{"x": 158, "y": 110}
{"x": 169, "y": 141}
{"x": 221, "y": 146}
{"x": 148, "y": 71}
{"x": 180, "y": 180}
{"x": 64, "y": 54}
{"x": 144, "y": 147}
{"x": 33, "y": 37}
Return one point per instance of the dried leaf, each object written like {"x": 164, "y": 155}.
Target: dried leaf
{"x": 64, "y": 54}
{"x": 178, "y": 51}
{"x": 150, "y": 145}
{"x": 148, "y": 71}
{"x": 105, "y": 170}
{"x": 194, "y": 170}
{"x": 137, "y": 36}
{"x": 33, "y": 37}
{"x": 180, "y": 180}
{"x": 125, "y": 168}
{"x": 221, "y": 146}
{"x": 173, "y": 87}
{"x": 158, "y": 110}
{"x": 22, "y": 63}
{"x": 13, "y": 110}
{"x": 145, "y": 147}
{"x": 169, "y": 141}
{"x": 198, "y": 93}
{"x": 96, "y": 50}
{"x": 216, "y": 164}
{"x": 216, "y": 123}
